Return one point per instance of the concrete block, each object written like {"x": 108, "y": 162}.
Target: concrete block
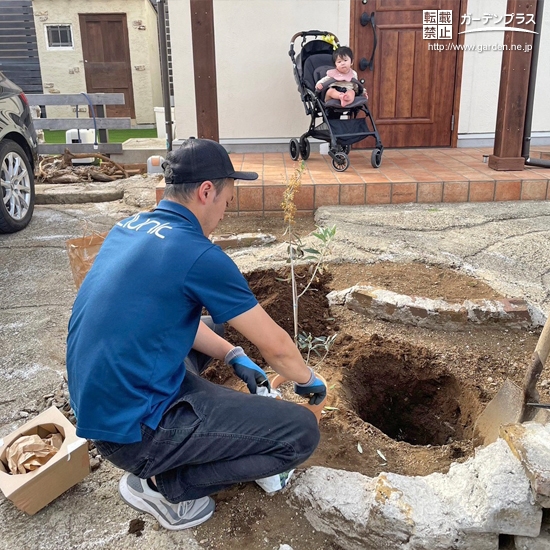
{"x": 77, "y": 193}
{"x": 337, "y": 297}
{"x": 530, "y": 443}
{"x": 466, "y": 508}
{"x": 489, "y": 493}
{"x": 243, "y": 240}
{"x": 542, "y": 542}
{"x": 363, "y": 513}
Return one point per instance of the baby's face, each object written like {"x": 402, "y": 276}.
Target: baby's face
{"x": 343, "y": 64}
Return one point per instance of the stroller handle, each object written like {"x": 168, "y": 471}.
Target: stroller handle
{"x": 311, "y": 33}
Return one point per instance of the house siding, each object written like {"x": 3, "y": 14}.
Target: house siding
{"x": 63, "y": 70}
{"x": 19, "y": 59}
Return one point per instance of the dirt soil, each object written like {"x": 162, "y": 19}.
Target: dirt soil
{"x": 401, "y": 399}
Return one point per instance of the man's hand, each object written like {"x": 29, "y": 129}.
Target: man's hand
{"x": 314, "y": 388}
{"x": 247, "y": 370}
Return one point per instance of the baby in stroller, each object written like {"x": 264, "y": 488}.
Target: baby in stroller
{"x": 339, "y": 80}
{"x": 320, "y": 65}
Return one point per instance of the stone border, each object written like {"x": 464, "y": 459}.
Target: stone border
{"x": 242, "y": 240}
{"x": 501, "y": 490}
{"x": 77, "y": 193}
{"x": 434, "y": 314}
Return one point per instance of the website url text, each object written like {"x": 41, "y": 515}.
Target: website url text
{"x": 436, "y": 46}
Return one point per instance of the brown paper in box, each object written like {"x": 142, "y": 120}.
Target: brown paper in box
{"x": 29, "y": 452}
{"x": 32, "y": 491}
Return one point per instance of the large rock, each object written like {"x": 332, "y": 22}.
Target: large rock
{"x": 463, "y": 509}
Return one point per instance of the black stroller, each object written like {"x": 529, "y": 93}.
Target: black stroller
{"x": 330, "y": 122}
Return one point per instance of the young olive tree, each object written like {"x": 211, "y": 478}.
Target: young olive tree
{"x": 297, "y": 252}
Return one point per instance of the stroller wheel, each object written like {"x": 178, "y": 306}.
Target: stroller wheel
{"x": 304, "y": 148}
{"x": 340, "y": 162}
{"x": 376, "y": 158}
{"x": 346, "y": 149}
{"x": 294, "y": 149}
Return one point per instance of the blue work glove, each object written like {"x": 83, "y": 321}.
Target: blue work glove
{"x": 314, "y": 388}
{"x": 247, "y": 370}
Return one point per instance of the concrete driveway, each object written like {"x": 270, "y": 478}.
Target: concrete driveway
{"x": 38, "y": 292}
{"x": 505, "y": 244}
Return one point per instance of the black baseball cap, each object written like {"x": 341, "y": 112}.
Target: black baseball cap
{"x": 200, "y": 160}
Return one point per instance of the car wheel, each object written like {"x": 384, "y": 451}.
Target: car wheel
{"x": 17, "y": 188}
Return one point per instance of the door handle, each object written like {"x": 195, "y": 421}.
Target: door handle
{"x": 365, "y": 63}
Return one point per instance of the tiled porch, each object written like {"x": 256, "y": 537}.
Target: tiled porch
{"x": 406, "y": 175}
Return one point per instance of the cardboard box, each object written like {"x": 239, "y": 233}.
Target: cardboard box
{"x": 30, "y": 492}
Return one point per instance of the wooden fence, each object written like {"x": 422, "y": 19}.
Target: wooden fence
{"x": 102, "y": 124}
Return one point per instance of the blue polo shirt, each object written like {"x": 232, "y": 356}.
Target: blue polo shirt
{"x": 136, "y": 315}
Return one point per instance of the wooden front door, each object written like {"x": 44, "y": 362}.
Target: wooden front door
{"x": 411, "y": 88}
{"x": 107, "y": 59}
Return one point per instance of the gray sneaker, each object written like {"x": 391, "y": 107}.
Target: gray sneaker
{"x": 189, "y": 513}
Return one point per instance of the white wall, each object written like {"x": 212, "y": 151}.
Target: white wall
{"x": 63, "y": 70}
{"x": 481, "y": 74}
{"x": 257, "y": 93}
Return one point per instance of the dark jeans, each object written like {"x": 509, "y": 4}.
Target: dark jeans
{"x": 212, "y": 437}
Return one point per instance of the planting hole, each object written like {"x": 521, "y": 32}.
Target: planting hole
{"x": 408, "y": 395}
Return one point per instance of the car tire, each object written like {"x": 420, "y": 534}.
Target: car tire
{"x": 16, "y": 187}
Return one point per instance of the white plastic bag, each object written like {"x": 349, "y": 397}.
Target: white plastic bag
{"x": 264, "y": 392}
{"x": 276, "y": 482}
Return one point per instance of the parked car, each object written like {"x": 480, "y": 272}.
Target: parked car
{"x": 18, "y": 158}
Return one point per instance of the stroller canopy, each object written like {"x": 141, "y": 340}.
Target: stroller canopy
{"x": 314, "y": 55}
